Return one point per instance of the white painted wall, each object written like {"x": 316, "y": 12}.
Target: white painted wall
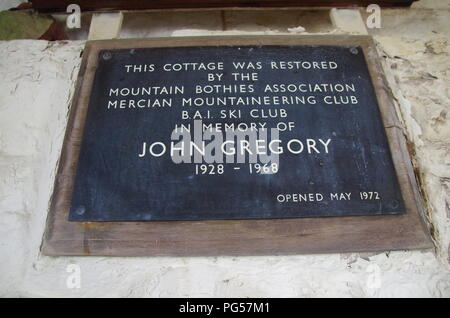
{"x": 8, "y": 4}
{"x": 36, "y": 83}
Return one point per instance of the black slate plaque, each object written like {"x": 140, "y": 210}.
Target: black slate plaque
{"x": 296, "y": 132}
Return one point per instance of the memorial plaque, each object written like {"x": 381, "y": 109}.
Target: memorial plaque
{"x": 233, "y": 132}
{"x": 306, "y": 124}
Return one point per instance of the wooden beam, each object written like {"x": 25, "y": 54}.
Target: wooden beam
{"x": 348, "y": 20}
{"x": 111, "y": 5}
{"x": 105, "y": 26}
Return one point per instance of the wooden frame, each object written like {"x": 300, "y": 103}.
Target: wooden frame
{"x": 233, "y": 237}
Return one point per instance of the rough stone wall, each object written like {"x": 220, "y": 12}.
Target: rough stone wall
{"x": 35, "y": 91}
{"x": 418, "y": 69}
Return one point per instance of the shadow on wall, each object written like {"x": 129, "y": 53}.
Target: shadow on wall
{"x": 165, "y": 23}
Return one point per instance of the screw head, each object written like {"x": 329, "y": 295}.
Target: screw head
{"x": 107, "y": 55}
{"x": 80, "y": 210}
{"x": 395, "y": 204}
{"x": 354, "y": 50}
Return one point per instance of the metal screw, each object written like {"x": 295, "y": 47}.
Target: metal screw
{"x": 354, "y": 50}
{"x": 107, "y": 55}
{"x": 394, "y": 204}
{"x": 80, "y": 210}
